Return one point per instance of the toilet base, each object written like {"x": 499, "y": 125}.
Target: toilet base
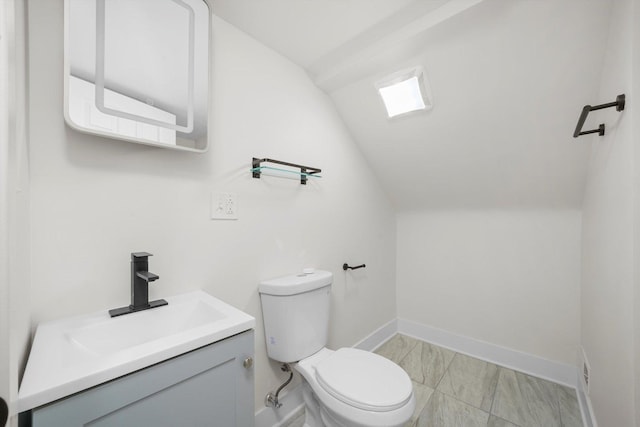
{"x": 315, "y": 415}
{"x": 334, "y": 413}
{"x": 312, "y": 416}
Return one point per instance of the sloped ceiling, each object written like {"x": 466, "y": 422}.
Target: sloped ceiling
{"x": 508, "y": 77}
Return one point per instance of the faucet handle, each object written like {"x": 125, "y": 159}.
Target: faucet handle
{"x": 145, "y": 275}
{"x": 135, "y": 255}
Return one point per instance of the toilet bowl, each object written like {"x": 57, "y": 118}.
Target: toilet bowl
{"x": 355, "y": 388}
{"x": 342, "y": 388}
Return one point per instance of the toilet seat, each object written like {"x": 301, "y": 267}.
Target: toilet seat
{"x": 332, "y": 397}
{"x": 364, "y": 380}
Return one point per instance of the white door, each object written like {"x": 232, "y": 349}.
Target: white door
{"x": 14, "y": 254}
{"x": 5, "y": 37}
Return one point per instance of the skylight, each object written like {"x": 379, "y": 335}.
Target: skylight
{"x": 404, "y": 92}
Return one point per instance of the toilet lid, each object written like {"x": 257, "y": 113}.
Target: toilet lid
{"x": 364, "y": 380}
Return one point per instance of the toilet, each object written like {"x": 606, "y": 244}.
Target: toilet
{"x": 345, "y": 387}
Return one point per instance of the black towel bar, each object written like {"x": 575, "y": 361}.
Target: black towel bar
{"x": 619, "y": 104}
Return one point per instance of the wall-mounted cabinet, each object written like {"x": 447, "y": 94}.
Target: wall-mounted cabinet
{"x": 139, "y": 71}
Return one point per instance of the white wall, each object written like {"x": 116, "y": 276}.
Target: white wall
{"x": 608, "y": 237}
{"x": 505, "y": 277}
{"x": 96, "y": 200}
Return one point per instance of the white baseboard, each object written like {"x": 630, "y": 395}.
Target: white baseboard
{"x": 557, "y": 372}
{"x": 378, "y": 337}
{"x": 586, "y": 408}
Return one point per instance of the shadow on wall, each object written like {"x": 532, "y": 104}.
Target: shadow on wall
{"x": 95, "y": 152}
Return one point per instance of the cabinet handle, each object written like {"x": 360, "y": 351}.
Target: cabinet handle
{"x": 248, "y": 362}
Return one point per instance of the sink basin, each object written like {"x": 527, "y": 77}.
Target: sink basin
{"x": 71, "y": 355}
{"x": 111, "y": 335}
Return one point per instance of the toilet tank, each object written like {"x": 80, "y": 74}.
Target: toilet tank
{"x": 295, "y": 310}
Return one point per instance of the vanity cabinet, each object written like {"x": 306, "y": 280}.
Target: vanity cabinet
{"x": 209, "y": 386}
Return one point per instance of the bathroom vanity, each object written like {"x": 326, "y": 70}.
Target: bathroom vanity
{"x": 205, "y": 387}
{"x": 189, "y": 363}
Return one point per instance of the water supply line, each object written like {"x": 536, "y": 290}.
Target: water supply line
{"x": 271, "y": 400}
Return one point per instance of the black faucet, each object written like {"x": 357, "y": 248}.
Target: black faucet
{"x": 140, "y": 278}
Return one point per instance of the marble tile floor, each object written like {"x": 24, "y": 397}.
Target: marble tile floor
{"x": 455, "y": 390}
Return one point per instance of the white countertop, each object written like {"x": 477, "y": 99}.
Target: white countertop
{"x": 73, "y": 354}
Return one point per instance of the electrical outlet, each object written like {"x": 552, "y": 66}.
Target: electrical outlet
{"x": 224, "y": 206}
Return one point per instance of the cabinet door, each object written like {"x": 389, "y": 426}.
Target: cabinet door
{"x": 206, "y": 387}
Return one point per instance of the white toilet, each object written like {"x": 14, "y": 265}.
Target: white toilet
{"x": 346, "y": 387}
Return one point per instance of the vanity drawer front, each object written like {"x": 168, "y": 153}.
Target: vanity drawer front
{"x": 205, "y": 387}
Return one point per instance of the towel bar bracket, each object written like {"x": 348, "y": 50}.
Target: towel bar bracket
{"x": 619, "y": 103}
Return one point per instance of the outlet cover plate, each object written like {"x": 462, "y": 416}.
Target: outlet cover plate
{"x": 224, "y": 205}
